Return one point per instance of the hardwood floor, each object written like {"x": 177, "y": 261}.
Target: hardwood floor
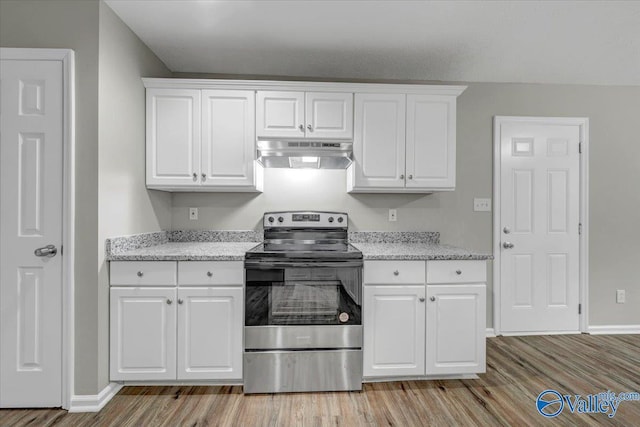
{"x": 518, "y": 369}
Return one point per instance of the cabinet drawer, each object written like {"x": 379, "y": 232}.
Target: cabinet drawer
{"x": 143, "y": 273}
{"x": 210, "y": 273}
{"x": 392, "y": 272}
{"x": 456, "y": 271}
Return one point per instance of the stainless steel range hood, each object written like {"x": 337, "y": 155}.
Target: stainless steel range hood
{"x": 305, "y": 154}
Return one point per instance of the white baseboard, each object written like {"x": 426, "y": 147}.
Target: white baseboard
{"x": 94, "y": 402}
{"x": 614, "y": 329}
{"x": 491, "y": 333}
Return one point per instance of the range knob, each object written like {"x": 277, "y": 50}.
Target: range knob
{"x": 340, "y": 219}
{"x": 280, "y": 219}
{"x": 270, "y": 219}
{"x": 330, "y": 219}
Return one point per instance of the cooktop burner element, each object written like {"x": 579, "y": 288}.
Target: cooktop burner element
{"x": 305, "y": 234}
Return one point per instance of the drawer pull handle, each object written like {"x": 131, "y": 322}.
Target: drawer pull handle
{"x": 140, "y": 273}
{"x": 432, "y": 299}
{"x": 458, "y": 272}
{"x": 210, "y": 274}
{"x": 169, "y": 302}
{"x": 396, "y": 273}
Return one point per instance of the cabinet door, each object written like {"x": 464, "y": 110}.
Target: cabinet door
{"x": 280, "y": 114}
{"x": 394, "y": 322}
{"x": 210, "y": 333}
{"x": 456, "y": 328}
{"x": 431, "y": 142}
{"x": 143, "y": 334}
{"x": 228, "y": 138}
{"x": 379, "y": 141}
{"x": 329, "y": 115}
{"x": 173, "y": 137}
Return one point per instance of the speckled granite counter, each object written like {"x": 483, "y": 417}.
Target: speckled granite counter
{"x": 182, "y": 246}
{"x": 417, "y": 251}
{"x": 232, "y": 245}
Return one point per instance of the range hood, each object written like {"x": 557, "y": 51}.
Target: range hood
{"x": 305, "y": 154}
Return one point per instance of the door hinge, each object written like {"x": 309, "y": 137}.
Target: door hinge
{"x": 580, "y": 228}
{"x": 580, "y": 147}
{"x": 61, "y": 250}
{"x": 579, "y": 308}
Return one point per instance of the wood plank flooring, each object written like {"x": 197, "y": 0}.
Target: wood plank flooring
{"x": 518, "y": 369}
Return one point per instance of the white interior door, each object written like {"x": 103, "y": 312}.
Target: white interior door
{"x": 31, "y": 180}
{"x": 539, "y": 211}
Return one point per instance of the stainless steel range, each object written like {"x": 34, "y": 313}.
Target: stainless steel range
{"x": 303, "y": 303}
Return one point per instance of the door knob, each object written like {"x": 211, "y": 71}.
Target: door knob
{"x": 301, "y": 127}
{"x": 507, "y": 245}
{"x": 395, "y": 273}
{"x": 421, "y": 299}
{"x": 432, "y": 299}
{"x": 49, "y": 251}
{"x": 506, "y": 230}
{"x": 310, "y": 128}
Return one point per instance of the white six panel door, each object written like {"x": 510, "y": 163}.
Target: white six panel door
{"x": 173, "y": 136}
{"x": 210, "y": 333}
{"x": 379, "y": 140}
{"x": 31, "y": 155}
{"x": 540, "y": 217}
{"x": 228, "y": 138}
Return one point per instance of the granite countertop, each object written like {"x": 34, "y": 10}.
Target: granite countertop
{"x": 187, "y": 251}
{"x": 232, "y": 245}
{"x": 417, "y": 251}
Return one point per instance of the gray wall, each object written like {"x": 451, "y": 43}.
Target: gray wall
{"x": 614, "y": 171}
{"x": 73, "y": 25}
{"x": 124, "y": 204}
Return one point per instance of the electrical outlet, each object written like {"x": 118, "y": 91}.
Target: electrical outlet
{"x": 621, "y": 298}
{"x": 481, "y": 205}
{"x": 393, "y": 215}
{"x": 193, "y": 214}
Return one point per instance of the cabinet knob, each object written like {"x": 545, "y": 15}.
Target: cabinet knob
{"x": 432, "y": 299}
{"x": 195, "y": 176}
{"x": 310, "y": 128}
{"x": 210, "y": 274}
{"x": 401, "y": 176}
{"x": 301, "y": 127}
{"x": 458, "y": 272}
{"x": 180, "y": 301}
{"x": 204, "y": 177}
{"x": 410, "y": 176}
{"x": 140, "y": 273}
{"x": 169, "y": 301}
{"x": 421, "y": 299}
{"x": 396, "y": 273}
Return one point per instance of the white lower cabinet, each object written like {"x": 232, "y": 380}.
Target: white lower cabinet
{"x": 455, "y": 329}
{"x": 394, "y": 319}
{"x": 420, "y": 329}
{"x": 183, "y": 332}
{"x": 210, "y": 333}
{"x": 143, "y": 334}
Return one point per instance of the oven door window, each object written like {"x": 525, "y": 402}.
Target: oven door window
{"x": 298, "y": 296}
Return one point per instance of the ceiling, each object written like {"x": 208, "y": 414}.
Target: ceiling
{"x": 591, "y": 42}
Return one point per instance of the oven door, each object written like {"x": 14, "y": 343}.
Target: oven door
{"x": 303, "y": 293}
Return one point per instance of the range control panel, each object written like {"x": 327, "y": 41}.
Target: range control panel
{"x": 305, "y": 219}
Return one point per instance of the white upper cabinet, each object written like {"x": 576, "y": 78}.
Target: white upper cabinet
{"x": 173, "y": 137}
{"x": 378, "y": 143}
{"x": 431, "y": 142}
{"x": 312, "y": 115}
{"x": 201, "y": 140}
{"x": 403, "y": 143}
{"x": 228, "y": 138}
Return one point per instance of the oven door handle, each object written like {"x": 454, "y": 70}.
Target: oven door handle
{"x": 271, "y": 264}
